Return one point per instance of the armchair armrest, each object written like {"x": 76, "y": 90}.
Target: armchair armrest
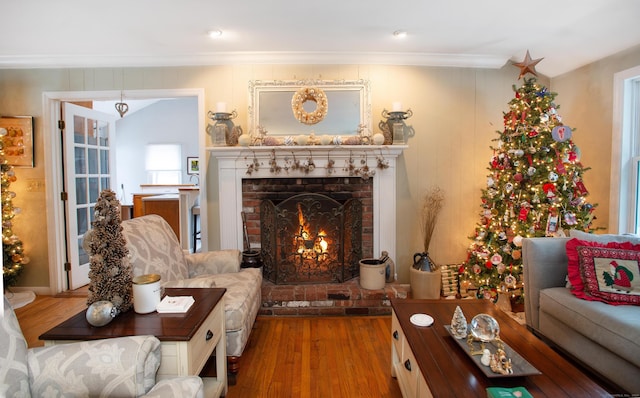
{"x": 123, "y": 366}
{"x": 213, "y": 262}
{"x": 184, "y": 387}
{"x": 544, "y": 265}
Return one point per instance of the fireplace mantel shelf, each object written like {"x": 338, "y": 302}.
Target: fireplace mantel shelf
{"x": 225, "y": 151}
{"x": 233, "y": 165}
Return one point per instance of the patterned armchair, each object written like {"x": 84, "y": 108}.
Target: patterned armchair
{"x": 119, "y": 367}
{"x": 154, "y": 249}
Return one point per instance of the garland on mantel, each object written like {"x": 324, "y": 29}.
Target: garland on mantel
{"x": 307, "y": 165}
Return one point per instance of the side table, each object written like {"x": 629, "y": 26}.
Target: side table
{"x": 187, "y": 340}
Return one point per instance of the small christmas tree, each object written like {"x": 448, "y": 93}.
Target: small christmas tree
{"x": 534, "y": 188}
{"x": 110, "y": 271}
{"x": 13, "y": 258}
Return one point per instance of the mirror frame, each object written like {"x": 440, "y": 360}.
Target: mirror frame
{"x": 330, "y": 87}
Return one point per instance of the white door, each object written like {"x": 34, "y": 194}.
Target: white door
{"x": 88, "y": 169}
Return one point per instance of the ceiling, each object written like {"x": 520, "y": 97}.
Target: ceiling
{"x": 464, "y": 33}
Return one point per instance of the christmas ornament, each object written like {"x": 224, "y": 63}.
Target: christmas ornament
{"x": 510, "y": 281}
{"x": 517, "y": 240}
{"x": 459, "y": 324}
{"x": 553, "y": 177}
{"x": 561, "y": 133}
{"x": 552, "y": 224}
{"x": 101, "y": 313}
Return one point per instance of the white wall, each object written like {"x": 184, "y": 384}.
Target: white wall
{"x": 170, "y": 121}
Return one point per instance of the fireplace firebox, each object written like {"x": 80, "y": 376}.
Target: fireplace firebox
{"x": 311, "y": 238}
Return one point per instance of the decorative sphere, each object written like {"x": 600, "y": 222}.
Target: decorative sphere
{"x": 485, "y": 327}
{"x": 302, "y": 139}
{"x": 101, "y": 313}
{"x": 244, "y": 140}
{"x": 378, "y": 139}
{"x": 325, "y": 139}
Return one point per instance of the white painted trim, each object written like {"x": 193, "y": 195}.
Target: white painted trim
{"x": 53, "y": 161}
{"x": 621, "y": 212}
{"x": 259, "y": 57}
{"x": 232, "y": 165}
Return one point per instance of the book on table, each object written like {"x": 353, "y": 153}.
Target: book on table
{"x": 175, "y": 304}
{"x": 504, "y": 392}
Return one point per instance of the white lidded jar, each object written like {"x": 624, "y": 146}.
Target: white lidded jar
{"x": 146, "y": 293}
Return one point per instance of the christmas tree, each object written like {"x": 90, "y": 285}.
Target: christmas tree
{"x": 13, "y": 258}
{"x": 534, "y": 188}
{"x": 110, "y": 271}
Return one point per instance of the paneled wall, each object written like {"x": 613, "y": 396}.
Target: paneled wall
{"x": 456, "y": 112}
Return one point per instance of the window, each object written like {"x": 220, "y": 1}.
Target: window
{"x": 163, "y": 165}
{"x": 625, "y": 158}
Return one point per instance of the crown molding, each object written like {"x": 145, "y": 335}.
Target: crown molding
{"x": 243, "y": 58}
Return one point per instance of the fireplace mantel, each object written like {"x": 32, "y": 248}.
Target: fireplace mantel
{"x": 233, "y": 165}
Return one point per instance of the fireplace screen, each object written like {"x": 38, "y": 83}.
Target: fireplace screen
{"x": 311, "y": 238}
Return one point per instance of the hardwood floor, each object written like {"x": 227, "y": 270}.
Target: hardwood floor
{"x": 285, "y": 356}
{"x": 46, "y": 312}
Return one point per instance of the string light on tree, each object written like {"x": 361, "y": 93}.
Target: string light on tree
{"x": 13, "y": 258}
{"x": 534, "y": 188}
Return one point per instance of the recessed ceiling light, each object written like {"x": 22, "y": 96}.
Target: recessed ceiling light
{"x": 214, "y": 34}
{"x": 400, "y": 33}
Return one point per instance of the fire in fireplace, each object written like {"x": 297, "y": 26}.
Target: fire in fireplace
{"x": 311, "y": 238}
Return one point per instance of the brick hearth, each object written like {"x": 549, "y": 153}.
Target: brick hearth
{"x": 329, "y": 299}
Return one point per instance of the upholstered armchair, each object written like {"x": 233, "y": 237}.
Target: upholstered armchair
{"x": 118, "y": 367}
{"x": 154, "y": 249}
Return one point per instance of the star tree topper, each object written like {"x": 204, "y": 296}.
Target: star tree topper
{"x": 528, "y": 65}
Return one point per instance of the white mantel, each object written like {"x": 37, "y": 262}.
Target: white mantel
{"x": 233, "y": 162}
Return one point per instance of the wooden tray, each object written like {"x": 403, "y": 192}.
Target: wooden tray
{"x": 519, "y": 365}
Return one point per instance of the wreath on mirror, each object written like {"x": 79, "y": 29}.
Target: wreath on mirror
{"x": 309, "y": 94}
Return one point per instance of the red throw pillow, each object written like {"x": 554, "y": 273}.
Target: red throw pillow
{"x": 604, "y": 272}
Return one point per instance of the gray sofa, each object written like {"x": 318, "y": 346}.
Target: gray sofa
{"x": 603, "y": 337}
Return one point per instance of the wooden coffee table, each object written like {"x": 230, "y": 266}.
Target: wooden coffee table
{"x": 428, "y": 362}
{"x": 187, "y": 340}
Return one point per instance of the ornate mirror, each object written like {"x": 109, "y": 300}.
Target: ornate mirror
{"x": 336, "y": 107}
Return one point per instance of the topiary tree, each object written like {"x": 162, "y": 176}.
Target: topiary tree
{"x": 110, "y": 271}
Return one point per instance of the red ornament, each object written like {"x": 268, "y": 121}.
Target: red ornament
{"x": 489, "y": 265}
{"x": 549, "y": 187}
{"x": 524, "y": 212}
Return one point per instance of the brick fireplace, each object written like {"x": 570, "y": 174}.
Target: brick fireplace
{"x": 367, "y": 170}
{"x": 334, "y": 211}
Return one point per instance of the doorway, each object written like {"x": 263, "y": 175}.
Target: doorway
{"x": 58, "y": 237}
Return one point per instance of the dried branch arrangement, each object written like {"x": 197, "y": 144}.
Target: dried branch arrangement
{"x": 433, "y": 202}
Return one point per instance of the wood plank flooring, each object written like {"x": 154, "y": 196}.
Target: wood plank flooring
{"x": 285, "y": 356}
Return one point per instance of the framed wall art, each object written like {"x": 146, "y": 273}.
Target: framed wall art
{"x": 18, "y": 141}
{"x": 193, "y": 165}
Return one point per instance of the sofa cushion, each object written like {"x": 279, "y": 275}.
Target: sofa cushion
{"x": 604, "y": 272}
{"x": 604, "y": 238}
{"x": 242, "y": 289}
{"x": 154, "y": 248}
{"x": 615, "y": 327}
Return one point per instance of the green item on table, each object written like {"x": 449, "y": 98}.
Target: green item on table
{"x": 502, "y": 392}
